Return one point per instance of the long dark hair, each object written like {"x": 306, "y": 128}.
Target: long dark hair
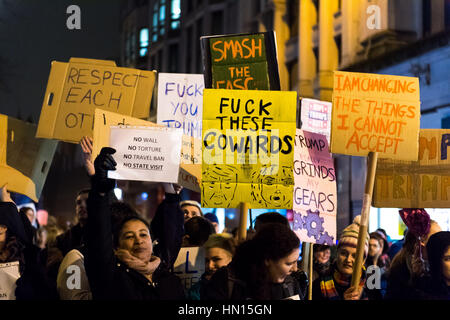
{"x": 13, "y": 251}
{"x": 273, "y": 241}
{"x": 436, "y": 247}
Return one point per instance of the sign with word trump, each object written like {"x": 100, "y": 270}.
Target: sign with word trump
{"x": 417, "y": 184}
{"x": 190, "y": 170}
{"x": 373, "y": 112}
{"x": 315, "y": 197}
{"x": 241, "y": 61}
{"x": 248, "y": 148}
{"x": 316, "y": 116}
{"x": 180, "y": 102}
{"x": 146, "y": 153}
{"x": 76, "y": 88}
{"x": 189, "y": 265}
{"x": 24, "y": 159}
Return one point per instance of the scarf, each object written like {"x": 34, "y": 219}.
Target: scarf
{"x": 328, "y": 283}
{"x": 146, "y": 268}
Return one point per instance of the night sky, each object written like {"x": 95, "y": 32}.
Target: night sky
{"x": 33, "y": 33}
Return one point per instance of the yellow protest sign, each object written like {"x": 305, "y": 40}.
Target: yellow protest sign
{"x": 190, "y": 169}
{"x": 24, "y": 160}
{"x": 76, "y": 88}
{"x": 248, "y": 148}
{"x": 417, "y": 184}
{"x": 373, "y": 112}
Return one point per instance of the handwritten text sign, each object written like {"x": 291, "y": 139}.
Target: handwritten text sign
{"x": 379, "y": 113}
{"x": 190, "y": 265}
{"x": 316, "y": 116}
{"x": 315, "y": 197}
{"x": 180, "y": 101}
{"x": 248, "y": 148}
{"x": 76, "y": 88}
{"x": 417, "y": 184}
{"x": 190, "y": 170}
{"x": 146, "y": 154}
{"x": 9, "y": 273}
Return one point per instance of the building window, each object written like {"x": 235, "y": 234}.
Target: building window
{"x": 158, "y": 20}
{"x": 155, "y": 23}
{"x": 143, "y": 42}
{"x": 162, "y": 17}
{"x": 175, "y": 14}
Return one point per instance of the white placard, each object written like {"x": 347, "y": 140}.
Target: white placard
{"x": 180, "y": 102}
{"x": 146, "y": 153}
{"x": 190, "y": 265}
{"x": 316, "y": 117}
{"x": 9, "y": 273}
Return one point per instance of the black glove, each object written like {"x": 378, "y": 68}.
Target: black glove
{"x": 104, "y": 162}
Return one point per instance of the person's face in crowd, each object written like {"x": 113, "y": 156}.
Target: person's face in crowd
{"x": 280, "y": 269}
{"x": 42, "y": 239}
{"x": 216, "y": 258}
{"x": 322, "y": 256}
{"x": 375, "y": 248}
{"x": 81, "y": 207}
{"x": 216, "y": 226}
{"x": 346, "y": 256}
{"x": 190, "y": 211}
{"x": 30, "y": 215}
{"x": 135, "y": 237}
{"x": 446, "y": 266}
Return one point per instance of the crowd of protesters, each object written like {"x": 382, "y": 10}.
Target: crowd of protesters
{"x": 121, "y": 256}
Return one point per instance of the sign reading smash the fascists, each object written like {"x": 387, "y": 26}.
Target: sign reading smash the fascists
{"x": 190, "y": 170}
{"x": 146, "y": 153}
{"x": 24, "y": 160}
{"x": 315, "y": 198}
{"x": 417, "y": 184}
{"x": 379, "y": 113}
{"x": 240, "y": 61}
{"x": 190, "y": 266}
{"x": 180, "y": 102}
{"x": 316, "y": 116}
{"x": 248, "y": 148}
{"x": 76, "y": 88}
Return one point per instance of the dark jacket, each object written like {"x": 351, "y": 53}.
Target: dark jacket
{"x": 224, "y": 286}
{"x": 167, "y": 227}
{"x": 33, "y": 283}
{"x": 71, "y": 239}
{"x": 109, "y": 278}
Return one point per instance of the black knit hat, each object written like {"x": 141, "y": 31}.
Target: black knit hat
{"x": 436, "y": 246}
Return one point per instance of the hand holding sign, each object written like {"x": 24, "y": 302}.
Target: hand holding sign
{"x": 103, "y": 163}
{"x": 86, "y": 147}
{"x": 5, "y": 195}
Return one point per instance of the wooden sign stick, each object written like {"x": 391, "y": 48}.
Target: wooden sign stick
{"x": 310, "y": 273}
{"x": 243, "y": 209}
{"x": 365, "y": 212}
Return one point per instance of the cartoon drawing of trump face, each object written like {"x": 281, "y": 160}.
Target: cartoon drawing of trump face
{"x": 273, "y": 191}
{"x": 219, "y": 186}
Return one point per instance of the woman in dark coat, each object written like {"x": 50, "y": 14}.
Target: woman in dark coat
{"x": 261, "y": 268}
{"x": 120, "y": 264}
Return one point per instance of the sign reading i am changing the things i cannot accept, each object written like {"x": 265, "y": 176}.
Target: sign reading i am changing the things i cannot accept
{"x": 315, "y": 197}
{"x": 373, "y": 112}
{"x": 146, "y": 154}
{"x": 248, "y": 148}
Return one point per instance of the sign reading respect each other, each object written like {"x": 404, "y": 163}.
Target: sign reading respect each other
{"x": 378, "y": 113}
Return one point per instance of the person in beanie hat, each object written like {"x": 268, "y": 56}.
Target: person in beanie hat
{"x": 336, "y": 285}
{"x": 191, "y": 209}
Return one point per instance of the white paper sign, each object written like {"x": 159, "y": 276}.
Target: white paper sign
{"x": 180, "y": 102}
{"x": 9, "y": 273}
{"x": 316, "y": 117}
{"x": 146, "y": 153}
{"x": 190, "y": 265}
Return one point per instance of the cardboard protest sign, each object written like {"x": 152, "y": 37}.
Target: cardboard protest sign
{"x": 180, "y": 102}
{"x": 424, "y": 183}
{"x": 9, "y": 273}
{"x": 373, "y": 112}
{"x": 190, "y": 170}
{"x": 316, "y": 116}
{"x": 190, "y": 265}
{"x": 76, "y": 88}
{"x": 315, "y": 195}
{"x": 248, "y": 148}
{"x": 241, "y": 61}
{"x": 24, "y": 160}
{"x": 146, "y": 153}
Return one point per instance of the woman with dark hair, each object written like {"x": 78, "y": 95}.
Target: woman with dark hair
{"x": 378, "y": 258}
{"x": 261, "y": 268}
{"x": 120, "y": 264}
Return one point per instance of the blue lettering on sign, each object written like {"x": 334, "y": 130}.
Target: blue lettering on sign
{"x": 184, "y": 108}
{"x": 187, "y": 264}
{"x": 192, "y": 90}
